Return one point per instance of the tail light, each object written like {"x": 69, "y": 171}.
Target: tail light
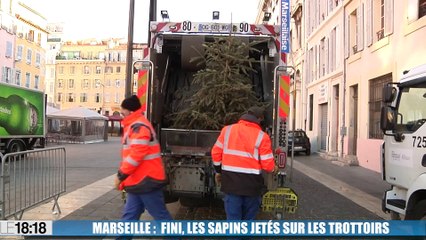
{"x": 281, "y": 158}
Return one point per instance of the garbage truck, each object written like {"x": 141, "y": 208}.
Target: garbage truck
{"x": 169, "y": 67}
{"x": 403, "y": 121}
{"x": 22, "y": 116}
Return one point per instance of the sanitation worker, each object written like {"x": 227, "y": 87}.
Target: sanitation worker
{"x": 141, "y": 171}
{"x": 239, "y": 155}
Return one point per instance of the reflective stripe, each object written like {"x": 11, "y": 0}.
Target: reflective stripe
{"x": 240, "y": 169}
{"x": 131, "y": 161}
{"x": 138, "y": 141}
{"x": 227, "y": 133}
{"x": 143, "y": 142}
{"x": 266, "y": 156}
{"x": 152, "y": 156}
{"x": 257, "y": 144}
{"x": 219, "y": 144}
{"x": 216, "y": 163}
{"x": 238, "y": 153}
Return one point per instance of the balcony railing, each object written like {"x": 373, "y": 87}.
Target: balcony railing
{"x": 380, "y": 34}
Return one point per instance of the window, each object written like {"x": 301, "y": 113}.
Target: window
{"x": 108, "y": 82}
{"x": 311, "y": 112}
{"x": 422, "y": 8}
{"x": 411, "y": 110}
{"x": 70, "y": 83}
{"x": 107, "y": 97}
{"x": 108, "y": 69}
{"x": 29, "y": 56}
{"x": 323, "y": 57}
{"x": 379, "y": 19}
{"x": 18, "y": 77}
{"x": 36, "y": 82}
{"x": 117, "y": 83}
{"x": 30, "y": 36}
{"x": 117, "y": 98}
{"x": 37, "y": 61}
{"x": 27, "y": 79}
{"x": 86, "y": 70}
{"x": 52, "y": 73}
{"x": 71, "y": 97}
{"x": 83, "y": 97}
{"x": 61, "y": 70}
{"x": 354, "y": 42}
{"x": 60, "y": 83}
{"x": 98, "y": 70}
{"x": 118, "y": 69}
{"x": 7, "y": 74}
{"x": 97, "y": 83}
{"x": 19, "y": 53}
{"x": 59, "y": 97}
{"x": 97, "y": 98}
{"x": 375, "y": 104}
{"x": 9, "y": 51}
{"x": 85, "y": 84}
{"x": 72, "y": 70}
{"x": 51, "y": 87}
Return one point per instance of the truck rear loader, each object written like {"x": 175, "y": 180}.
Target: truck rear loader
{"x": 169, "y": 68}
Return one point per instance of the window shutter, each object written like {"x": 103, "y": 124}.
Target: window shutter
{"x": 413, "y": 10}
{"x": 389, "y": 17}
{"x": 369, "y": 21}
{"x": 360, "y": 26}
{"x": 328, "y": 54}
{"x": 346, "y": 36}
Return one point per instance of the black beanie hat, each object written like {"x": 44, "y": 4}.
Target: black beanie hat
{"x": 256, "y": 111}
{"x": 131, "y": 103}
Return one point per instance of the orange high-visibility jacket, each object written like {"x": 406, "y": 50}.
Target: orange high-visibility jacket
{"x": 141, "y": 169}
{"x": 243, "y": 150}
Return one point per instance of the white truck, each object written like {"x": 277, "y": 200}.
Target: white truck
{"x": 403, "y": 119}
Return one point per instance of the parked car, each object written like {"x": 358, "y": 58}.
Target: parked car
{"x": 301, "y": 141}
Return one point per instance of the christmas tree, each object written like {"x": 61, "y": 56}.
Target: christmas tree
{"x": 220, "y": 93}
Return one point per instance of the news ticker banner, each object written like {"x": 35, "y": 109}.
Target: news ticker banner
{"x": 213, "y": 228}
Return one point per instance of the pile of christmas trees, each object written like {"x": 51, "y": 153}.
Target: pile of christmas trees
{"x": 220, "y": 93}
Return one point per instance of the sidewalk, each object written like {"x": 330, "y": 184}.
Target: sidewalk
{"x": 99, "y": 201}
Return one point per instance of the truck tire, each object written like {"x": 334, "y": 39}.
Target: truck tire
{"x": 15, "y": 146}
{"x": 418, "y": 212}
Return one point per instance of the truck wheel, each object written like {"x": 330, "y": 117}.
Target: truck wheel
{"x": 418, "y": 212}
{"x": 15, "y": 146}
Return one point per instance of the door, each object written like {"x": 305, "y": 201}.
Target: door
{"x": 354, "y": 120}
{"x": 324, "y": 126}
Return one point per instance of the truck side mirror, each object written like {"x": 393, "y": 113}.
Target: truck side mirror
{"x": 387, "y": 118}
{"x": 389, "y": 93}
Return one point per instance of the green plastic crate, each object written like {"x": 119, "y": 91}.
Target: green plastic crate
{"x": 280, "y": 200}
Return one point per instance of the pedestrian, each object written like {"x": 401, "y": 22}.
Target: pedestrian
{"x": 141, "y": 173}
{"x": 240, "y": 154}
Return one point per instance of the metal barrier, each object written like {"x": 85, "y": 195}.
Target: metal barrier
{"x": 29, "y": 178}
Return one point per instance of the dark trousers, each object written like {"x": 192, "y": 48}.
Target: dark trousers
{"x": 241, "y": 207}
{"x": 151, "y": 201}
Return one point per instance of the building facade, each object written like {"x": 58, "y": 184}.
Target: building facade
{"x": 344, "y": 52}
{"x": 91, "y": 73}
{"x": 23, "y": 40}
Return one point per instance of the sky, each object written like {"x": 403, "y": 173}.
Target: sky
{"x": 109, "y": 18}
